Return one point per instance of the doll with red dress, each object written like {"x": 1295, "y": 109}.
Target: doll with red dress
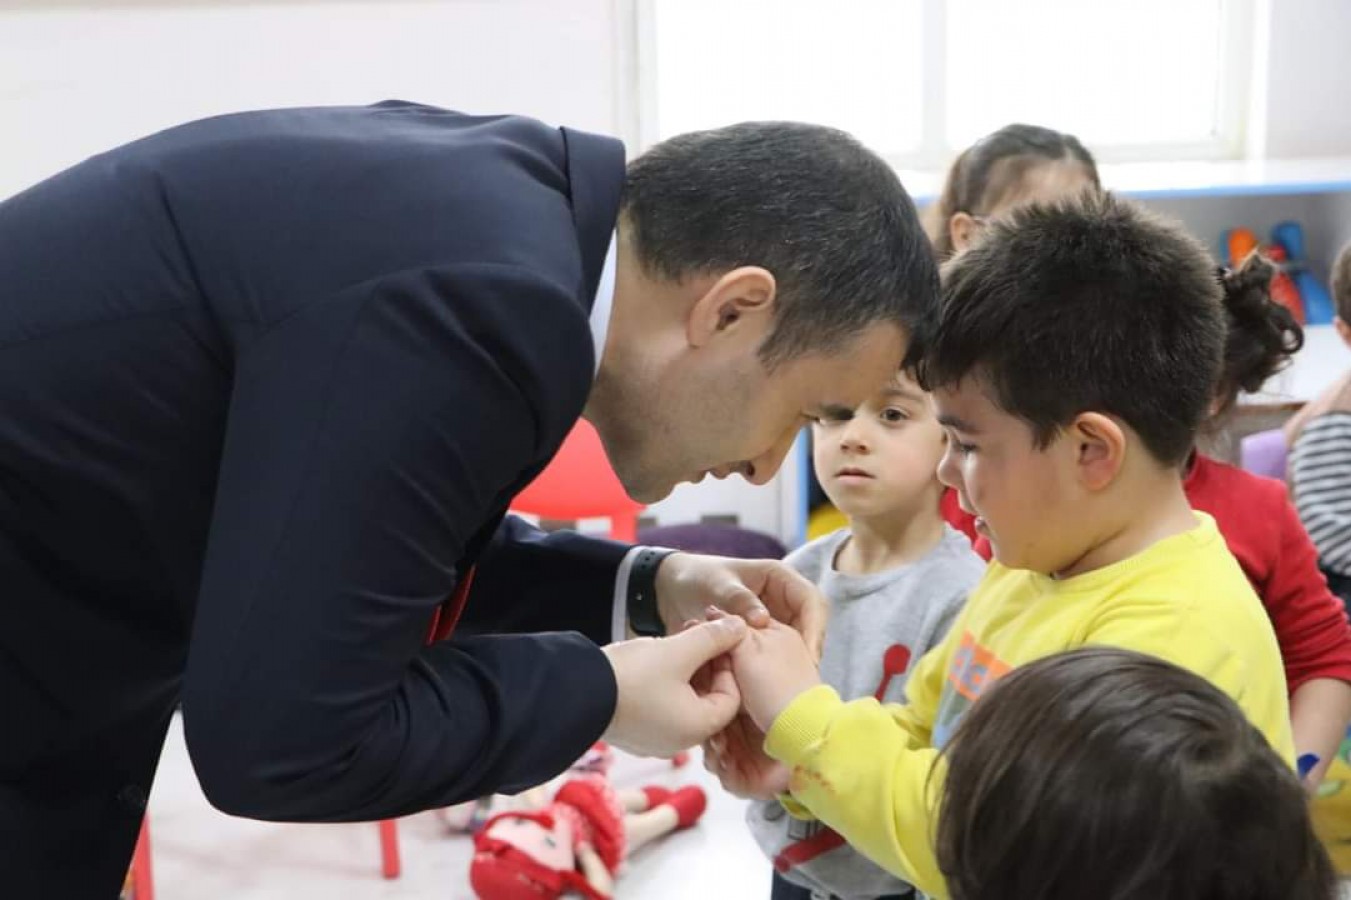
{"x": 578, "y": 842}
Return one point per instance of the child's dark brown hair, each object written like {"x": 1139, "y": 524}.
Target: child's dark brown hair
{"x": 1260, "y": 334}
{"x": 1341, "y": 284}
{"x": 991, "y": 170}
{"x": 1109, "y": 774}
{"x": 1089, "y": 304}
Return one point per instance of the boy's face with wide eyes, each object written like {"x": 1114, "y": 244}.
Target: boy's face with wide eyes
{"x": 1024, "y": 497}
{"x": 879, "y": 461}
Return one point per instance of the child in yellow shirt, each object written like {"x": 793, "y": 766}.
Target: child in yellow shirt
{"x": 1071, "y": 364}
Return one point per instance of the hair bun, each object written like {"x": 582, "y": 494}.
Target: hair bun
{"x": 1262, "y": 333}
{"x": 1247, "y": 289}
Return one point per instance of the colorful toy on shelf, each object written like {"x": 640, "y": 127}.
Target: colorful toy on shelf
{"x": 1283, "y": 289}
{"x": 1313, "y": 294}
{"x": 1289, "y": 235}
{"x": 1294, "y": 285}
{"x": 1318, "y": 308}
{"x": 1236, "y": 244}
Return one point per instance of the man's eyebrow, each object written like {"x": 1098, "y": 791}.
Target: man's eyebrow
{"x": 947, "y": 420}
{"x": 834, "y": 411}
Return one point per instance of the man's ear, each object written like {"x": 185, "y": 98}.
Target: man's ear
{"x": 740, "y": 301}
{"x": 1100, "y": 449}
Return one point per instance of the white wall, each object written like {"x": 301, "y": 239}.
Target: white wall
{"x": 1308, "y": 80}
{"x": 77, "y": 78}
{"x": 1335, "y": 224}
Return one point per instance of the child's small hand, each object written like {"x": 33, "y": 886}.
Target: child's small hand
{"x": 737, "y": 756}
{"x": 772, "y": 666}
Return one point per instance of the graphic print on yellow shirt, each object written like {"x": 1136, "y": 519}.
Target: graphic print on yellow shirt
{"x": 972, "y": 671}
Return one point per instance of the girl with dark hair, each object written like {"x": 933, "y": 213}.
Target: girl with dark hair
{"x": 1015, "y": 165}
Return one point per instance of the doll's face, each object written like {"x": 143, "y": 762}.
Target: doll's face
{"x": 551, "y": 848}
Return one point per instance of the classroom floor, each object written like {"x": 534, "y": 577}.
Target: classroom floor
{"x": 200, "y": 854}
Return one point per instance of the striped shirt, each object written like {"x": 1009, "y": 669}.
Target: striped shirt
{"x": 1320, "y": 474}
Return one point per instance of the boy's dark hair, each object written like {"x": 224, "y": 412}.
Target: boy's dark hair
{"x": 1093, "y": 305}
{"x": 1109, "y": 774}
{"x": 991, "y": 169}
{"x": 1341, "y": 284}
{"x": 1260, "y": 334}
{"x": 820, "y": 211}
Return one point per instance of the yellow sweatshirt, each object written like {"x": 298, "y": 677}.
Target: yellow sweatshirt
{"x": 873, "y": 772}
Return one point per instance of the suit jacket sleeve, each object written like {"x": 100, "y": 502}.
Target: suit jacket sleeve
{"x": 529, "y": 580}
{"x": 370, "y": 434}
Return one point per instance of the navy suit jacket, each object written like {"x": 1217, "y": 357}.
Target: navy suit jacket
{"x": 267, "y": 384}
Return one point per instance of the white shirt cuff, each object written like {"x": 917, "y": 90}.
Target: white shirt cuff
{"x": 619, "y": 617}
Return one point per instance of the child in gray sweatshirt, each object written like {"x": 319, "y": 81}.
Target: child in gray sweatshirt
{"x": 895, "y": 577}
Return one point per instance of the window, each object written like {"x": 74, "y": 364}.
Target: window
{"x": 917, "y": 80}
{"x": 853, "y": 64}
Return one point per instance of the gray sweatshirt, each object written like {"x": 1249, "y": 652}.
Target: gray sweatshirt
{"x": 880, "y": 625}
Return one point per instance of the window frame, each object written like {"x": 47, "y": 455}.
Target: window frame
{"x": 1237, "y": 57}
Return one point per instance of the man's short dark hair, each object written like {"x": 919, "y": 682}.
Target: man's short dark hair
{"x": 825, "y": 215}
{"x": 1093, "y": 305}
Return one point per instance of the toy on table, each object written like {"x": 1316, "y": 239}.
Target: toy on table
{"x": 578, "y": 842}
{"x": 470, "y": 817}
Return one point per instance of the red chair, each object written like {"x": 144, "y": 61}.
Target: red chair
{"x": 390, "y": 866}
{"x": 142, "y": 877}
{"x": 141, "y": 880}
{"x": 579, "y": 484}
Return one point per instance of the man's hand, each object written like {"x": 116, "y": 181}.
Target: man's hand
{"x": 670, "y": 696}
{"x": 758, "y": 590}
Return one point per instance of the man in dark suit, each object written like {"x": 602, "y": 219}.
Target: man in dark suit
{"x": 267, "y": 385}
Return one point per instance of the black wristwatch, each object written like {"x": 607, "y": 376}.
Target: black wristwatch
{"x": 644, "y": 618}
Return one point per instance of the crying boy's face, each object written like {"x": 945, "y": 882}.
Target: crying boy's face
{"x": 1024, "y": 497}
